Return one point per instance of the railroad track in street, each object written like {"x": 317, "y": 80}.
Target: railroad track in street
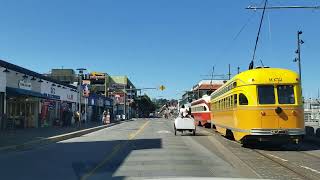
{"x": 293, "y": 166}
{"x": 296, "y": 169}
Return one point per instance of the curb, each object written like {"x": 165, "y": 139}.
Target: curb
{"x": 54, "y": 139}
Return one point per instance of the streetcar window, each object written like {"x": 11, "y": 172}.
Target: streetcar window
{"x": 266, "y": 94}
{"x": 243, "y": 100}
{"x": 204, "y": 108}
{"x": 286, "y": 94}
{"x": 235, "y": 100}
{"x": 232, "y": 101}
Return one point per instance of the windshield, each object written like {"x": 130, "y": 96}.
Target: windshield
{"x": 266, "y": 94}
{"x": 286, "y": 94}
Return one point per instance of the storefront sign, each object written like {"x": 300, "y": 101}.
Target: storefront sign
{"x": 51, "y": 96}
{"x": 24, "y": 84}
{"x": 58, "y": 93}
{"x": 70, "y": 97}
{"x": 85, "y": 90}
{"x": 96, "y": 76}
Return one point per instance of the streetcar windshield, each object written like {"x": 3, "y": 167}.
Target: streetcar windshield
{"x": 286, "y": 94}
{"x": 266, "y": 94}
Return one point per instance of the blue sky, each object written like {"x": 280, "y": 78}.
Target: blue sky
{"x": 154, "y": 42}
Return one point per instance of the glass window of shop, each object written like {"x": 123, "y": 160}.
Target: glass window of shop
{"x": 22, "y": 112}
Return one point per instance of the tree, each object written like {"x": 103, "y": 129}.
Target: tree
{"x": 144, "y": 105}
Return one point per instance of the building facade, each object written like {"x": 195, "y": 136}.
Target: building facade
{"x": 312, "y": 112}
{"x": 203, "y": 87}
{"x": 32, "y": 100}
{"x": 123, "y": 92}
{"x": 67, "y": 76}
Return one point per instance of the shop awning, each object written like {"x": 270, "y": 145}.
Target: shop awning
{"x": 17, "y": 91}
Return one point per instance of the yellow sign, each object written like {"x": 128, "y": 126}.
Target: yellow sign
{"x": 162, "y": 87}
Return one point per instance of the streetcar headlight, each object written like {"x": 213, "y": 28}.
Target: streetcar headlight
{"x": 294, "y": 112}
{"x": 263, "y": 113}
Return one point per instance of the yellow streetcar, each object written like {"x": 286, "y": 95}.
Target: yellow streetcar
{"x": 264, "y": 104}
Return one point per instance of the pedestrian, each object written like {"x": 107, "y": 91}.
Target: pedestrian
{"x": 104, "y": 116}
{"x": 183, "y": 112}
{"x": 83, "y": 117}
{"x": 76, "y": 117}
{"x": 107, "y": 119}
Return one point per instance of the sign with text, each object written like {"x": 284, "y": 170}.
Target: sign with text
{"x": 24, "y": 84}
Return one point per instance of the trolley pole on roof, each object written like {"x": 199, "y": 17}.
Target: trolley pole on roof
{"x": 229, "y": 71}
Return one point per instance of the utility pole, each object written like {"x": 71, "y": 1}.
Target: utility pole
{"x": 238, "y": 69}
{"x": 81, "y": 70}
{"x": 125, "y": 101}
{"x": 106, "y": 92}
{"x": 298, "y": 52}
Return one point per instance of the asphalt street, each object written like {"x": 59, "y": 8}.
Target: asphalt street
{"x": 138, "y": 149}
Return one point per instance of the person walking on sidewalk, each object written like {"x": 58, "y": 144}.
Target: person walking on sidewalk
{"x": 83, "y": 117}
{"x": 76, "y": 117}
{"x": 103, "y": 117}
{"x": 107, "y": 120}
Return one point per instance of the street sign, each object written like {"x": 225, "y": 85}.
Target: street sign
{"x": 162, "y": 87}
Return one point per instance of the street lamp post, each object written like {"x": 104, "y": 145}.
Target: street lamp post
{"x": 80, "y": 70}
{"x": 125, "y": 103}
{"x": 298, "y": 52}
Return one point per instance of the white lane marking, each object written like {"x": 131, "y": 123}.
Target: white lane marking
{"x": 284, "y": 160}
{"x": 164, "y": 132}
{"x": 313, "y": 170}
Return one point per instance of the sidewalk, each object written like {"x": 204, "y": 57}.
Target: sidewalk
{"x": 20, "y": 136}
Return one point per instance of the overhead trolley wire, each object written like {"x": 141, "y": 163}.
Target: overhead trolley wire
{"x": 258, "y": 35}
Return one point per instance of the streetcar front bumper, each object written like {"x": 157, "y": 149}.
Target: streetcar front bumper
{"x": 270, "y": 132}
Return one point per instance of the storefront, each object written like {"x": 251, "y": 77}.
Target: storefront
{"x": 57, "y": 107}
{"x": 69, "y": 98}
{"x": 108, "y": 106}
{"x": 2, "y": 96}
{"x": 96, "y": 105}
{"x": 22, "y": 100}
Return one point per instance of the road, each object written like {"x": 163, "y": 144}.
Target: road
{"x": 148, "y": 148}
